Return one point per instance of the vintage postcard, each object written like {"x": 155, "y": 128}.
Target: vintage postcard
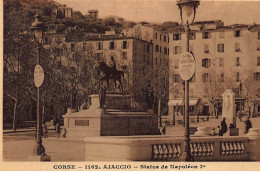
{"x": 128, "y": 85}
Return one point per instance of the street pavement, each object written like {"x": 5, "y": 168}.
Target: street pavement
{"x": 19, "y": 146}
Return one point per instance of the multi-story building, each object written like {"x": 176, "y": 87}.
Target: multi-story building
{"x": 159, "y": 62}
{"x": 227, "y": 57}
{"x": 128, "y": 52}
{"x": 62, "y": 11}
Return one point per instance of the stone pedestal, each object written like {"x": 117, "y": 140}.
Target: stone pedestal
{"x": 114, "y": 120}
{"x": 254, "y": 143}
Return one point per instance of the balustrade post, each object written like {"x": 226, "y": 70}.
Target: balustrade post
{"x": 216, "y": 147}
{"x": 254, "y": 142}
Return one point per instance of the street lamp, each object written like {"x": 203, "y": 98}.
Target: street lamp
{"x": 37, "y": 27}
{"x": 187, "y": 13}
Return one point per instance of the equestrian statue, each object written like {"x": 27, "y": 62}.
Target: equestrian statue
{"x": 110, "y": 72}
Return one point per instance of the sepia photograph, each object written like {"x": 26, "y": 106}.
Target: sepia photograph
{"x": 143, "y": 84}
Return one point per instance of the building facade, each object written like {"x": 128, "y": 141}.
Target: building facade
{"x": 159, "y": 61}
{"x": 128, "y": 53}
{"x": 227, "y": 57}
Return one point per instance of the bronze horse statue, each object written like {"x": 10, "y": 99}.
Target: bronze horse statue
{"x": 111, "y": 73}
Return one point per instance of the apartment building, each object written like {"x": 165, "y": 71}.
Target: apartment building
{"x": 227, "y": 57}
{"x": 159, "y": 60}
{"x": 129, "y": 53}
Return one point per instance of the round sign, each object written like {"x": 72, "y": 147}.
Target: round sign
{"x": 187, "y": 66}
{"x": 38, "y": 76}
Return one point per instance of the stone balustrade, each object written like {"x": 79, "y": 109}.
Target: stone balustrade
{"x": 204, "y": 149}
{"x": 170, "y": 148}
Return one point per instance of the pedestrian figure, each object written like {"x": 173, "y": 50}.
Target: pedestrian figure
{"x": 223, "y": 129}
{"x": 58, "y": 129}
{"x": 64, "y": 132}
{"x": 248, "y": 125}
{"x": 218, "y": 130}
{"x": 45, "y": 130}
{"x": 164, "y": 130}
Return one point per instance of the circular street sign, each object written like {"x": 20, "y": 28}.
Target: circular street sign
{"x": 187, "y": 66}
{"x": 38, "y": 76}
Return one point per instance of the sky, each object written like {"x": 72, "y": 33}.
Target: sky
{"x": 158, "y": 11}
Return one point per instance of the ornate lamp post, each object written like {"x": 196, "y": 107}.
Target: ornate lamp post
{"x": 37, "y": 27}
{"x": 187, "y": 13}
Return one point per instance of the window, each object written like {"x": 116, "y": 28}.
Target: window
{"x": 220, "y": 47}
{"x": 100, "y": 46}
{"x": 177, "y": 50}
{"x": 156, "y": 61}
{"x": 99, "y": 56}
{"x": 237, "y": 77}
{"x": 164, "y": 38}
{"x": 258, "y": 61}
{"x": 176, "y": 36}
{"x": 258, "y": 34}
{"x": 72, "y": 47}
{"x": 221, "y": 62}
{"x": 144, "y": 58}
{"x": 84, "y": 46}
{"x": 176, "y": 64}
{"x": 160, "y": 37}
{"x": 176, "y": 78}
{"x": 156, "y": 35}
{"x": 168, "y": 40}
{"x": 257, "y": 76}
{"x": 221, "y": 78}
{"x": 168, "y": 51}
{"x": 221, "y": 34}
{"x": 148, "y": 61}
{"x": 156, "y": 48}
{"x": 165, "y": 51}
{"x": 206, "y": 62}
{"x": 124, "y": 55}
{"x": 205, "y": 77}
{"x": 258, "y": 46}
{"x": 124, "y": 44}
{"x": 112, "y": 45}
{"x": 206, "y": 48}
{"x": 144, "y": 48}
{"x": 192, "y": 36}
{"x": 160, "y": 49}
{"x": 205, "y": 35}
{"x": 160, "y": 60}
{"x": 237, "y": 47}
{"x": 147, "y": 49}
{"x": 237, "y": 61}
{"x": 237, "y": 33}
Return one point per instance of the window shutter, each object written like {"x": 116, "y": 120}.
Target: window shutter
{"x": 180, "y": 49}
{"x": 209, "y": 62}
{"x": 115, "y": 43}
{"x": 173, "y": 50}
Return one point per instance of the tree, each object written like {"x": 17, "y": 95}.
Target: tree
{"x": 250, "y": 91}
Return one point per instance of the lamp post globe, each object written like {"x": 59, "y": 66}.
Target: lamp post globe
{"x": 187, "y": 9}
{"x": 187, "y": 14}
{"x": 37, "y": 27}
